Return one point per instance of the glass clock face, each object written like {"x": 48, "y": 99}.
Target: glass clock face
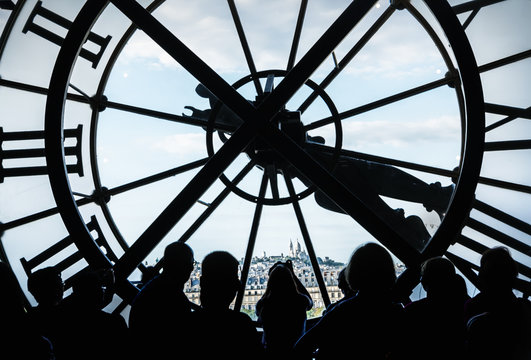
{"x": 245, "y": 125}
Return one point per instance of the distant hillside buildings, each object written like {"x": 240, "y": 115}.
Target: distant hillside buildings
{"x": 258, "y": 277}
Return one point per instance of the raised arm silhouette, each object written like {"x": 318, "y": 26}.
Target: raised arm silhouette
{"x": 282, "y": 310}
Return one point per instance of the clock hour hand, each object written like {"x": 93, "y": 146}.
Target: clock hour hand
{"x": 390, "y": 181}
{"x": 411, "y": 228}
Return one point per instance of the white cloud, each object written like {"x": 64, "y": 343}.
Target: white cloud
{"x": 400, "y": 133}
{"x": 205, "y": 32}
{"x": 400, "y": 49}
{"x": 143, "y": 48}
{"x": 181, "y": 144}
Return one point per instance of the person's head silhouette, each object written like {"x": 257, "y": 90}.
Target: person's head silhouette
{"x": 281, "y": 281}
{"x": 497, "y": 271}
{"x": 371, "y": 269}
{"x": 438, "y": 276}
{"x": 88, "y": 290}
{"x": 178, "y": 262}
{"x": 219, "y": 280}
{"x": 46, "y": 286}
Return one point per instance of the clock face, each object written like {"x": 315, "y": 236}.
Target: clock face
{"x": 242, "y": 125}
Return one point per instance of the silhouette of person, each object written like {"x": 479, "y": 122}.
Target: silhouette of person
{"x": 160, "y": 313}
{"x": 221, "y": 332}
{"x": 363, "y": 326}
{"x": 46, "y": 286}
{"x": 345, "y": 288}
{"x": 18, "y": 338}
{"x": 282, "y": 310}
{"x": 498, "y": 323}
{"x": 433, "y": 326}
{"x": 92, "y": 332}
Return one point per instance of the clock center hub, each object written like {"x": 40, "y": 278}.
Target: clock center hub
{"x": 289, "y": 122}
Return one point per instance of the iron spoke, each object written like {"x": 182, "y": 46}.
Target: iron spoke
{"x": 307, "y": 241}
{"x": 297, "y": 35}
{"x": 348, "y": 57}
{"x": 214, "y": 204}
{"x": 252, "y": 241}
{"x": 382, "y": 102}
{"x": 245, "y": 46}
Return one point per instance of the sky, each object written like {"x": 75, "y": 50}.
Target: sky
{"x": 425, "y": 129}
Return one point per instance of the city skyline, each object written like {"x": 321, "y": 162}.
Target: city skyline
{"x": 258, "y": 276}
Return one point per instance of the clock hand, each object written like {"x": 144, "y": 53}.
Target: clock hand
{"x": 367, "y": 210}
{"x": 225, "y": 119}
{"x": 387, "y": 180}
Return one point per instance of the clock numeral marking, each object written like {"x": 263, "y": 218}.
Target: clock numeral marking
{"x": 474, "y": 7}
{"x": 508, "y": 145}
{"x": 37, "y": 153}
{"x": 7, "y": 5}
{"x": 508, "y": 111}
{"x": 502, "y": 216}
{"x": 72, "y": 259}
{"x": 496, "y": 234}
{"x": 57, "y": 19}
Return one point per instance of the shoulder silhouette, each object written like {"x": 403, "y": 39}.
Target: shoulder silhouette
{"x": 345, "y": 288}
{"x": 434, "y": 326}
{"x": 220, "y": 331}
{"x": 92, "y": 332}
{"x": 499, "y": 323}
{"x": 159, "y": 317}
{"x": 19, "y": 339}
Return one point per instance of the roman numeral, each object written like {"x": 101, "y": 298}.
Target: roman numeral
{"x": 40, "y": 11}
{"x": 7, "y": 5}
{"x": 474, "y": 7}
{"x": 497, "y": 235}
{"x": 22, "y": 155}
{"x": 64, "y": 260}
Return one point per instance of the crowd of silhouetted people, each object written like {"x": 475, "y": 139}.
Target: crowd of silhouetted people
{"x": 365, "y": 324}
